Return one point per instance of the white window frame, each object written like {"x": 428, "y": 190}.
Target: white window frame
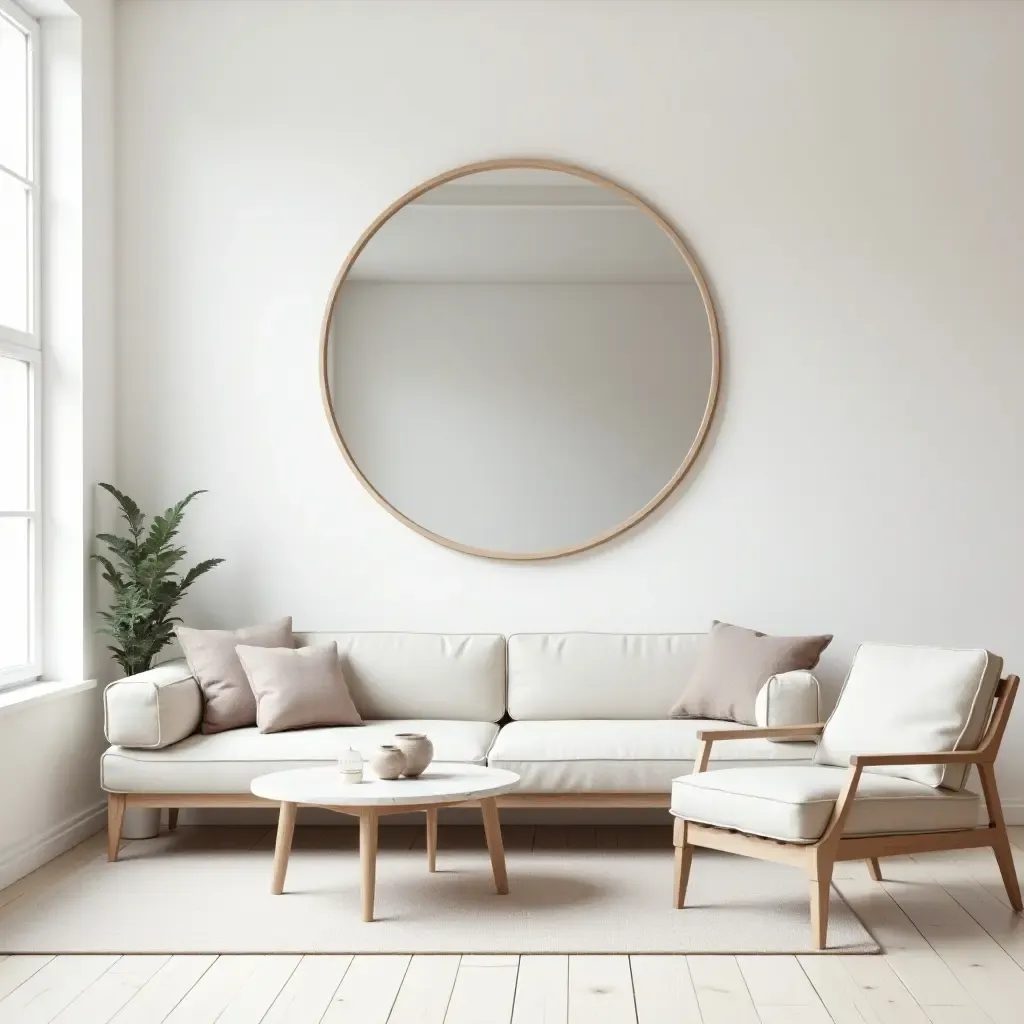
{"x": 27, "y": 347}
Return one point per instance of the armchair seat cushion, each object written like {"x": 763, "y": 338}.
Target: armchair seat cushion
{"x": 227, "y": 762}
{"x": 794, "y": 803}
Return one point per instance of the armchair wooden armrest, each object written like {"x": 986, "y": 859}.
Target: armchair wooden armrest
{"x": 939, "y": 757}
{"x": 781, "y": 732}
{"x": 778, "y": 732}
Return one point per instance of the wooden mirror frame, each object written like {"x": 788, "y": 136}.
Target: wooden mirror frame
{"x": 595, "y": 179}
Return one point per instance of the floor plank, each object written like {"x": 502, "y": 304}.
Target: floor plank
{"x": 368, "y": 991}
{"x": 721, "y": 991}
{"x": 843, "y": 998}
{"x": 780, "y": 990}
{"x": 213, "y": 992}
{"x": 542, "y": 991}
{"x": 259, "y": 992}
{"x": 663, "y": 990}
{"x": 162, "y": 993}
{"x": 308, "y": 992}
{"x": 112, "y": 990}
{"x": 426, "y": 990}
{"x": 884, "y": 991}
{"x": 601, "y": 990}
{"x": 17, "y": 969}
{"x": 484, "y": 990}
{"x": 42, "y": 996}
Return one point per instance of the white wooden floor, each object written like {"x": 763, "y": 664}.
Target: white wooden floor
{"x": 954, "y": 955}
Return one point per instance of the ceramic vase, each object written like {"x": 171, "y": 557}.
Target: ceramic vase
{"x": 388, "y": 762}
{"x": 418, "y": 750}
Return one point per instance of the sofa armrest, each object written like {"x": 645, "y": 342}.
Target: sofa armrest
{"x": 152, "y": 709}
{"x": 789, "y": 698}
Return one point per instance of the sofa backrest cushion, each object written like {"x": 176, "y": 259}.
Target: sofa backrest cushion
{"x": 555, "y": 676}
{"x": 422, "y": 675}
{"x": 908, "y": 700}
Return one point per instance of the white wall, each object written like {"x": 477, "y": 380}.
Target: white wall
{"x": 849, "y": 176}
{"x": 50, "y": 796}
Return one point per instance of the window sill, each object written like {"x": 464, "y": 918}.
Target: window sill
{"x": 31, "y": 694}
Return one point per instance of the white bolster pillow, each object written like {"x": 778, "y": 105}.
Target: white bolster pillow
{"x": 152, "y": 709}
{"x": 789, "y": 698}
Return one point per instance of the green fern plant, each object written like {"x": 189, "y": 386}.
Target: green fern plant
{"x": 146, "y": 582}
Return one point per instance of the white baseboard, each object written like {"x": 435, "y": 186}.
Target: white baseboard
{"x": 17, "y": 861}
{"x": 1013, "y": 811}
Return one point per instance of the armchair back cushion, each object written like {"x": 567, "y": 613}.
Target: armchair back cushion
{"x": 912, "y": 700}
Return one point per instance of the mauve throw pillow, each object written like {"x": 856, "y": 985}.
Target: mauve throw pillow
{"x": 734, "y": 664}
{"x": 228, "y": 702}
{"x": 298, "y": 689}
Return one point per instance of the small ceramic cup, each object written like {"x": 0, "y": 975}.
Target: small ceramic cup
{"x": 388, "y": 762}
{"x": 418, "y": 750}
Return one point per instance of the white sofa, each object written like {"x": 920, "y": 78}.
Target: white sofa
{"x": 582, "y": 717}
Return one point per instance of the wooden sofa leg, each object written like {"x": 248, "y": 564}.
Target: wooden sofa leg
{"x": 172, "y": 818}
{"x": 683, "y": 860}
{"x": 115, "y": 820}
{"x": 874, "y": 869}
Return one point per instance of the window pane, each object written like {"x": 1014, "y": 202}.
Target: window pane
{"x": 13, "y": 97}
{"x": 15, "y": 425}
{"x": 14, "y": 592}
{"x": 13, "y": 252}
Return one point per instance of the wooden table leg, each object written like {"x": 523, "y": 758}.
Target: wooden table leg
{"x": 492, "y": 830}
{"x": 368, "y": 858}
{"x": 283, "y": 847}
{"x": 431, "y": 838}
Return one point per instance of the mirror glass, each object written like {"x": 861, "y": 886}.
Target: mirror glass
{"x": 520, "y": 362}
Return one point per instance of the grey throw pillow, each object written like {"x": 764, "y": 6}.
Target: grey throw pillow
{"x": 228, "y": 702}
{"x": 734, "y": 664}
{"x": 298, "y": 689}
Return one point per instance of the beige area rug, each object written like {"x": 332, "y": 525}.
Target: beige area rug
{"x": 206, "y": 890}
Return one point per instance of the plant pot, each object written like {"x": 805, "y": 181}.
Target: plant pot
{"x": 141, "y": 823}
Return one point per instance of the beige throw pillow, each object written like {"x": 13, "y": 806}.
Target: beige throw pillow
{"x": 298, "y": 689}
{"x": 733, "y": 666}
{"x": 228, "y": 702}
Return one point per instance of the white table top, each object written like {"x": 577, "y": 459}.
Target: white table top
{"x": 441, "y": 783}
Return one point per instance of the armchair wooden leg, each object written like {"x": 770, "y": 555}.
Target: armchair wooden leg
{"x": 1000, "y": 841}
{"x": 172, "y": 818}
{"x": 683, "y": 860}
{"x": 115, "y": 820}
{"x": 874, "y": 869}
{"x": 821, "y": 885}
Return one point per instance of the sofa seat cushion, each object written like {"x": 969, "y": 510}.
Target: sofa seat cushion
{"x": 601, "y": 756}
{"x": 227, "y": 762}
{"x": 794, "y": 803}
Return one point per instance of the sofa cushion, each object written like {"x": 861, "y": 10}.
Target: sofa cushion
{"x": 422, "y": 675}
{"x": 619, "y": 757}
{"x": 228, "y": 702}
{"x": 904, "y": 700}
{"x": 298, "y": 689}
{"x": 227, "y": 762}
{"x": 735, "y": 664}
{"x": 794, "y": 803}
{"x": 598, "y": 675}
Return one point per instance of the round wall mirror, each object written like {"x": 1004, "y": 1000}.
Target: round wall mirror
{"x": 520, "y": 359}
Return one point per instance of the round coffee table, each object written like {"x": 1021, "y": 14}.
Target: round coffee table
{"x": 441, "y": 785}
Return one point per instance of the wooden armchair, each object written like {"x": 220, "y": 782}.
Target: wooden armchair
{"x": 880, "y": 803}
